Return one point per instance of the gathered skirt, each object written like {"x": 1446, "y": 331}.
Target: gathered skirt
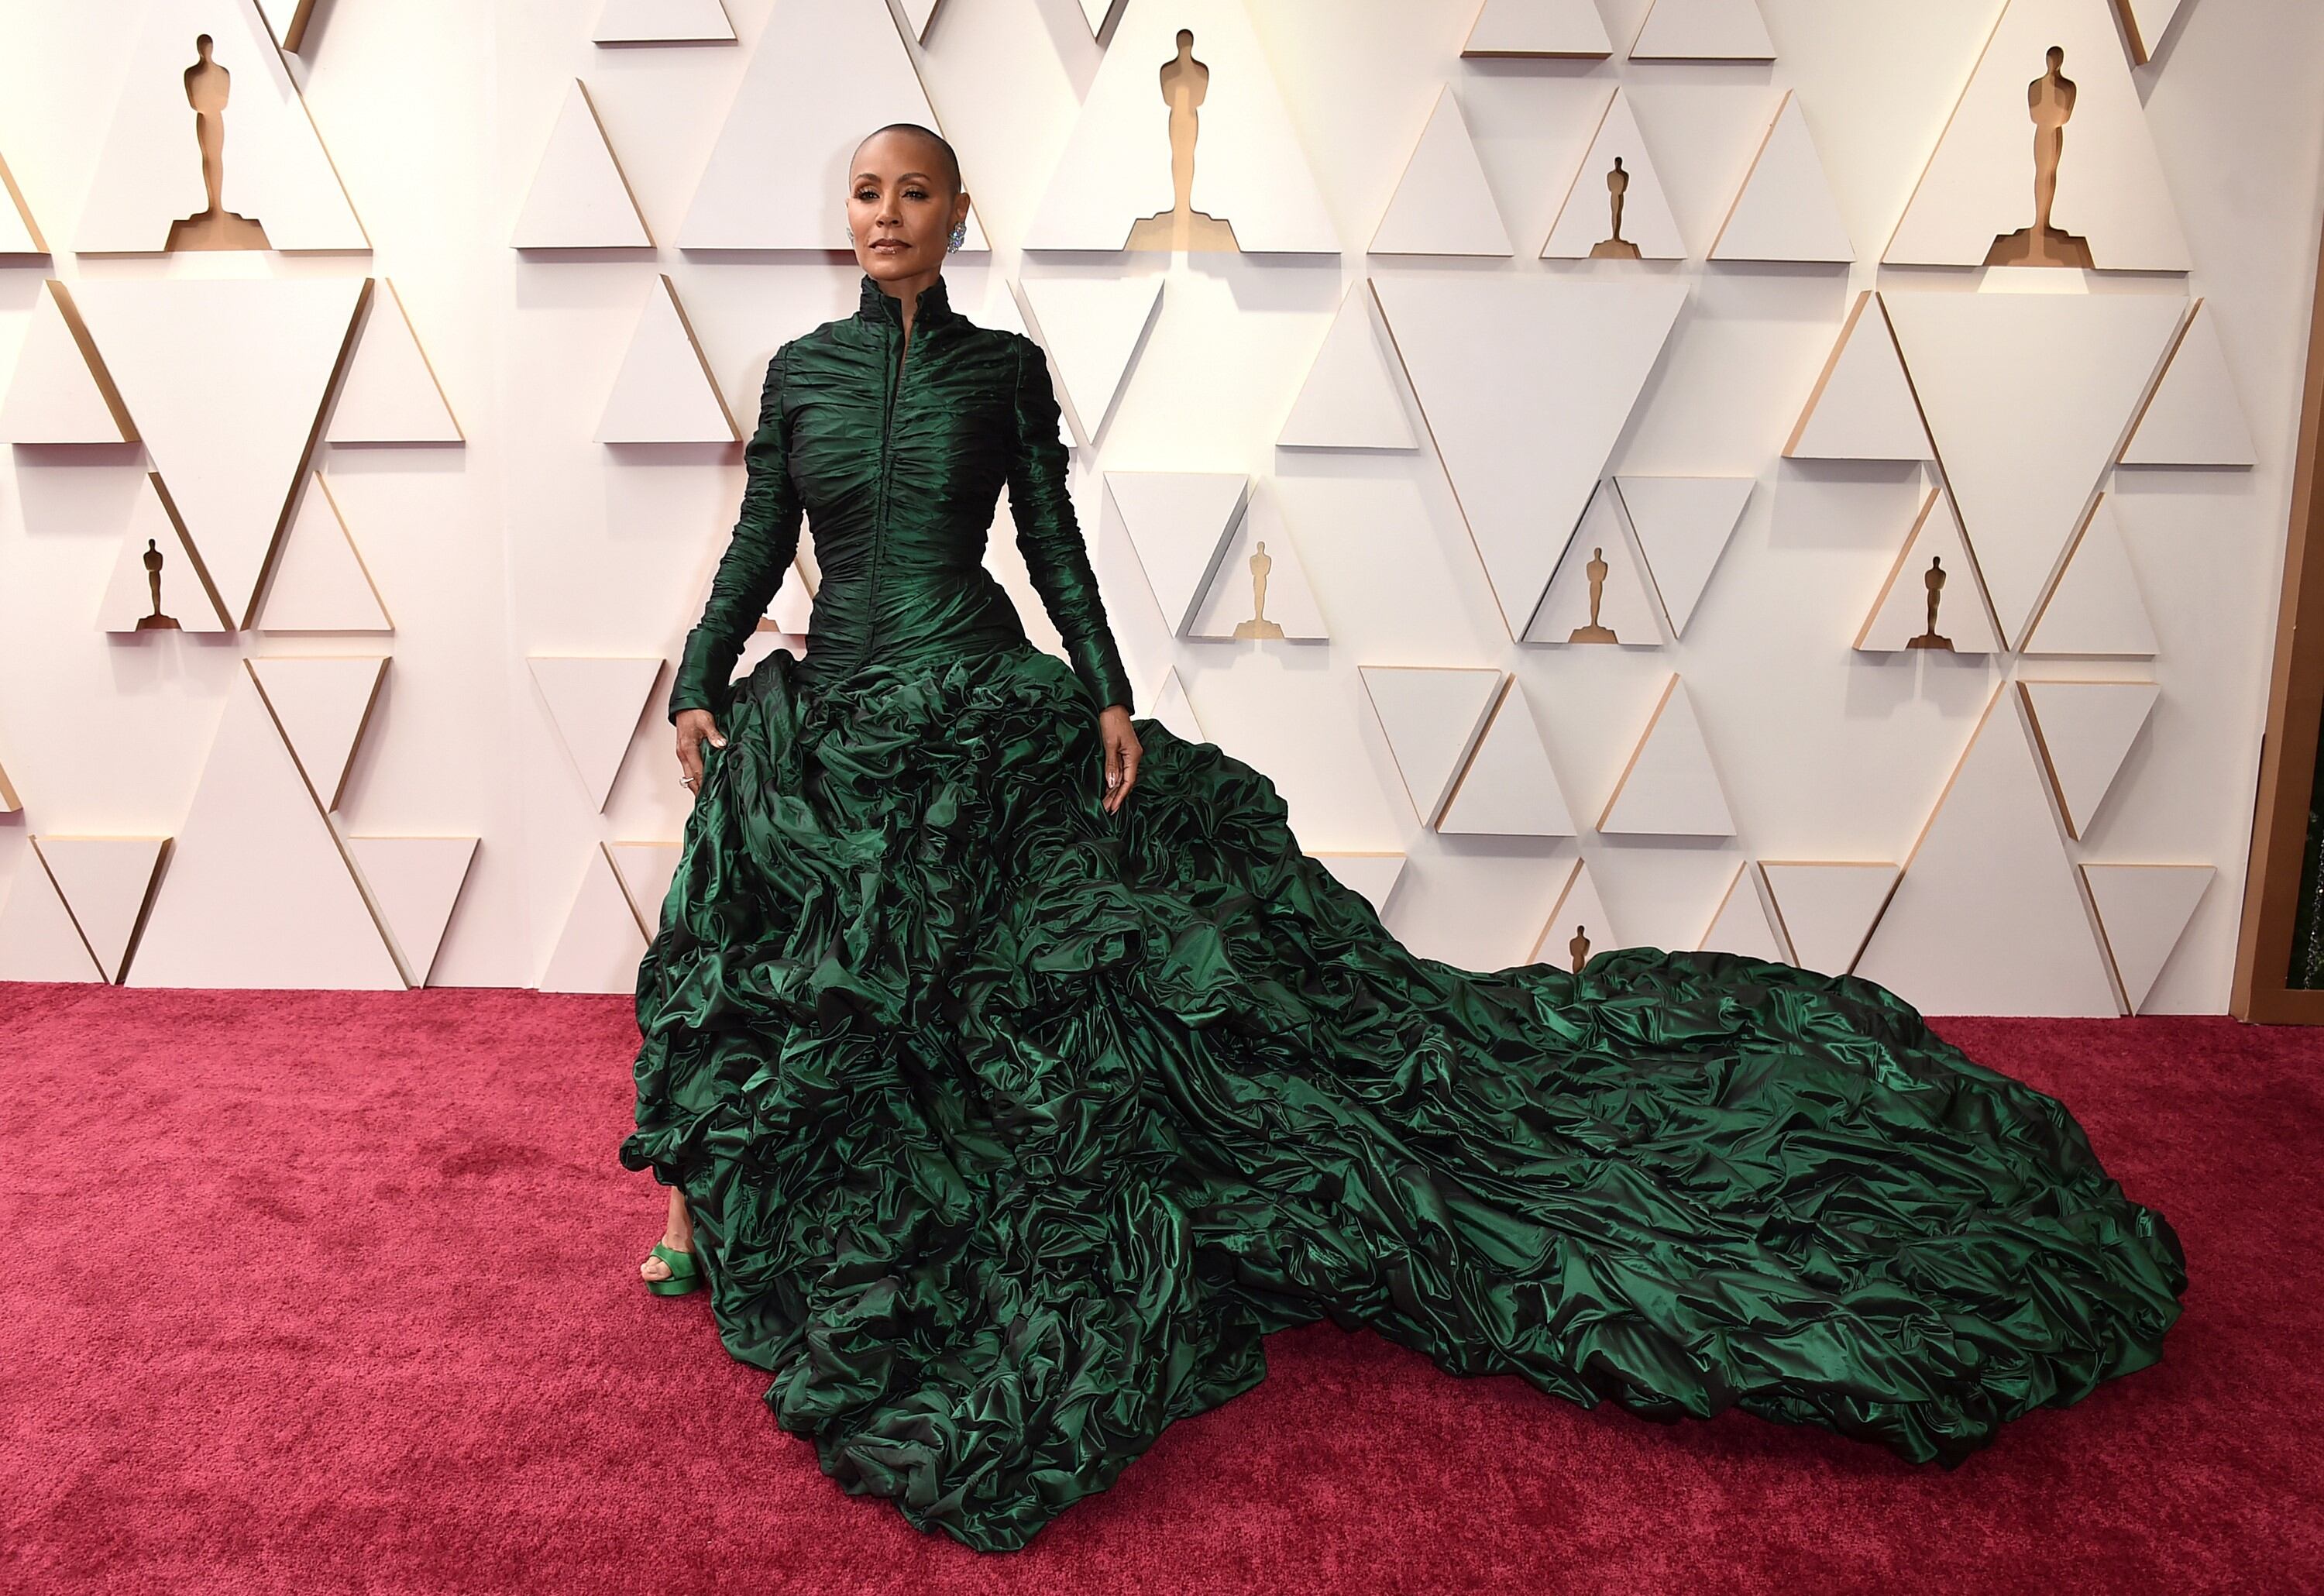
{"x": 1009, "y": 1128}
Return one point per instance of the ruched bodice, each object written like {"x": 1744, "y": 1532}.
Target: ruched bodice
{"x": 897, "y": 471}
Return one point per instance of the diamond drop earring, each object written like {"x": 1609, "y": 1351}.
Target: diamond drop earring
{"x": 959, "y": 237}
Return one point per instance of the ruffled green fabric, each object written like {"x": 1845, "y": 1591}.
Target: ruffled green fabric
{"x": 1011, "y": 1127}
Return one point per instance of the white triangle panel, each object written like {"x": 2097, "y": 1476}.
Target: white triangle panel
{"x": 665, "y": 393}
{"x": 10, "y": 804}
{"x": 1432, "y": 716}
{"x": 1586, "y": 220}
{"x": 1989, "y": 916}
{"x": 390, "y": 393}
{"x": 1352, "y": 399}
{"x": 2096, "y": 608}
{"x": 2145, "y": 910}
{"x": 1250, "y": 172}
{"x": 599, "y": 946}
{"x": 1443, "y": 206}
{"x": 319, "y": 583}
{"x": 1682, "y": 525}
{"x": 2028, "y": 396}
{"x": 1980, "y": 184}
{"x": 2084, "y": 730}
{"x": 60, "y": 391}
{"x": 1570, "y": 30}
{"x": 414, "y": 880}
{"x": 1231, "y": 601}
{"x": 1900, "y": 614}
{"x": 664, "y": 21}
{"x": 38, "y": 938}
{"x": 1828, "y": 908}
{"x": 579, "y": 199}
{"x": 1579, "y": 928}
{"x": 1491, "y": 358}
{"x": 1374, "y": 875}
{"x": 1091, "y": 327}
{"x": 2194, "y": 417}
{"x": 226, "y": 377}
{"x": 1670, "y": 788}
{"x": 186, "y": 594}
{"x": 1626, "y": 606}
{"x": 1509, "y": 788}
{"x": 275, "y": 170}
{"x": 1785, "y": 211}
{"x": 1703, "y": 30}
{"x": 322, "y": 703}
{"x": 595, "y": 704}
{"x": 107, "y": 882}
{"x": 1863, "y": 406}
{"x": 1744, "y": 923}
{"x": 256, "y": 892}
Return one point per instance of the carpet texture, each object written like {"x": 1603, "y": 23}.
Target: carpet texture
{"x": 337, "y": 1291}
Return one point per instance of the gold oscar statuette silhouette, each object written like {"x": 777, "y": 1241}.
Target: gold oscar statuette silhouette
{"x": 1934, "y": 579}
{"x": 1259, "y": 625}
{"x": 1185, "y": 83}
{"x": 1578, "y": 948}
{"x": 215, "y": 227}
{"x": 157, "y": 621}
{"x": 2049, "y": 101}
{"x": 1593, "y": 632}
{"x": 1617, "y": 247}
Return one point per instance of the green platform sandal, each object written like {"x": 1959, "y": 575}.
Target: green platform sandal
{"x": 685, "y": 1274}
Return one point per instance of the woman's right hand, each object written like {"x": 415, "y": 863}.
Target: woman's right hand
{"x": 693, "y": 726}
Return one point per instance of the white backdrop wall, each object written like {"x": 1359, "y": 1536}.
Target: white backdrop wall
{"x": 531, "y": 539}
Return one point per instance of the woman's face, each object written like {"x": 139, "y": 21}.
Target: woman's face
{"x": 901, "y": 208}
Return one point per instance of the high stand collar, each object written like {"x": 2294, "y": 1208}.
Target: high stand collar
{"x": 874, "y": 303}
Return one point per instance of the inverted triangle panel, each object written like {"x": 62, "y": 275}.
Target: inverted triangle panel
{"x": 226, "y": 378}
{"x": 1490, "y": 357}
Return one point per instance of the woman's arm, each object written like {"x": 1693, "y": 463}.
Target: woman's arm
{"x": 758, "y": 554}
{"x": 1050, "y": 538}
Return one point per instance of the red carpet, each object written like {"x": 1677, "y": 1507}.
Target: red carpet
{"x": 337, "y": 1291}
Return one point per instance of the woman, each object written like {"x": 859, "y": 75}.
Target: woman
{"x": 1004, "y": 1112}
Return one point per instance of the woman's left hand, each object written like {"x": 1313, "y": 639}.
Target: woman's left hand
{"x": 1122, "y": 754}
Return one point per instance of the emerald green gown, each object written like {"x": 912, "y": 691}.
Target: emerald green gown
{"x": 1011, "y": 1127}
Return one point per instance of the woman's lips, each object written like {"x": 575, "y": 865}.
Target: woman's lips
{"x": 887, "y": 245}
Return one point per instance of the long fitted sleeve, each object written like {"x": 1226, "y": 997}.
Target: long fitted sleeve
{"x": 1050, "y": 538}
{"x": 758, "y": 554}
